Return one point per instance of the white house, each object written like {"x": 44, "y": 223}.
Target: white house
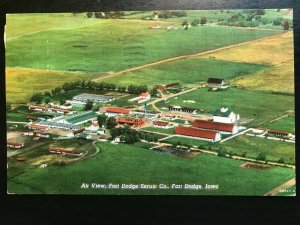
{"x": 223, "y": 115}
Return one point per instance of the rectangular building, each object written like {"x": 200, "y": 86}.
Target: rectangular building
{"x": 225, "y": 128}
{"x": 92, "y": 97}
{"x": 198, "y": 133}
{"x": 131, "y": 121}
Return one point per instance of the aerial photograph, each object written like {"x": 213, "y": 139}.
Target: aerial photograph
{"x": 164, "y": 102}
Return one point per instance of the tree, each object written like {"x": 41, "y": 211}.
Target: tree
{"x": 195, "y": 22}
{"x": 47, "y": 94}
{"x": 88, "y": 105}
{"x": 101, "y": 119}
{"x": 184, "y": 23}
{"x": 89, "y": 14}
{"x": 111, "y": 123}
{"x": 47, "y": 100}
{"x": 62, "y": 101}
{"x": 286, "y": 25}
{"x": 280, "y": 160}
{"x": 37, "y": 97}
{"x": 221, "y": 152}
{"x": 153, "y": 92}
{"x": 261, "y": 156}
{"x": 203, "y": 21}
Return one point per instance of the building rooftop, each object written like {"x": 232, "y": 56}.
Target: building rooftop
{"x": 223, "y": 112}
{"x": 117, "y": 110}
{"x": 213, "y": 125}
{"x": 195, "y": 132}
{"x": 92, "y": 97}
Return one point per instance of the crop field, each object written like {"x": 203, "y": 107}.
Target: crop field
{"x": 253, "y": 146}
{"x": 254, "y": 107}
{"x": 148, "y": 167}
{"x": 279, "y": 78}
{"x": 186, "y": 71}
{"x": 284, "y": 124}
{"x": 131, "y": 43}
{"x": 21, "y": 83}
{"x": 260, "y": 52}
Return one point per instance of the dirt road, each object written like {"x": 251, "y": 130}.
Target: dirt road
{"x": 284, "y": 186}
{"x": 181, "y": 57}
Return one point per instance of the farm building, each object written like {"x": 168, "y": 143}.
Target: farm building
{"x": 143, "y": 97}
{"x": 279, "y": 133}
{"x": 92, "y": 97}
{"x": 182, "y": 109}
{"x": 198, "y": 133}
{"x": 65, "y": 152}
{"x": 115, "y": 111}
{"x": 31, "y": 118}
{"x": 131, "y": 121}
{"x": 215, "y": 82}
{"x": 81, "y": 118}
{"x": 225, "y": 128}
{"x": 78, "y": 131}
{"x": 161, "y": 124}
{"x": 50, "y": 108}
{"x": 59, "y": 125}
{"x": 223, "y": 115}
{"x": 37, "y": 127}
{"x": 14, "y": 145}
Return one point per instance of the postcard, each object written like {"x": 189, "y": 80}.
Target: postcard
{"x": 165, "y": 102}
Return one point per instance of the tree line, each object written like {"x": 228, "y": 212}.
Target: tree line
{"x": 88, "y": 85}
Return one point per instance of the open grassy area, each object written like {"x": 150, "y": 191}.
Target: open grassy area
{"x": 291, "y": 191}
{"x": 284, "y": 124}
{"x": 186, "y": 71}
{"x": 186, "y": 141}
{"x": 126, "y": 164}
{"x": 21, "y": 83}
{"x": 112, "y": 45}
{"x": 252, "y": 146}
{"x": 160, "y": 130}
{"x": 254, "y": 107}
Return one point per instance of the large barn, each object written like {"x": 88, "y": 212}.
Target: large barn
{"x": 224, "y": 115}
{"x": 225, "y": 128}
{"x": 198, "y": 133}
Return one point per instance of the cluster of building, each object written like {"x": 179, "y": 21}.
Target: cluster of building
{"x": 223, "y": 122}
{"x": 65, "y": 152}
{"x": 15, "y": 145}
{"x": 92, "y": 97}
{"x": 51, "y": 108}
{"x": 216, "y": 83}
{"x": 143, "y": 97}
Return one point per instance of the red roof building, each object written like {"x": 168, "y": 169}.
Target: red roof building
{"x": 37, "y": 127}
{"x": 215, "y": 126}
{"x": 117, "y": 110}
{"x": 131, "y": 121}
{"x": 198, "y": 133}
{"x": 65, "y": 151}
{"x": 14, "y": 145}
{"x": 78, "y": 131}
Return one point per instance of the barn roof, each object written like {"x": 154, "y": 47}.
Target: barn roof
{"x": 159, "y": 123}
{"x": 213, "y": 125}
{"x": 215, "y": 80}
{"x": 195, "y": 132}
{"x": 117, "y": 110}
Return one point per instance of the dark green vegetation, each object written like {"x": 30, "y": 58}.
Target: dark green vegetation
{"x": 254, "y": 107}
{"x": 284, "y": 124}
{"x": 253, "y": 146}
{"x": 186, "y": 141}
{"x": 117, "y": 164}
{"x": 187, "y": 71}
{"x": 130, "y": 44}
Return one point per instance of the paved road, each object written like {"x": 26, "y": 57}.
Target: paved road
{"x": 233, "y": 136}
{"x": 284, "y": 186}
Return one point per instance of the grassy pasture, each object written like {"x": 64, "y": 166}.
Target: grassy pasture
{"x": 186, "y": 71}
{"x": 186, "y": 141}
{"x": 252, "y": 146}
{"x": 254, "y": 107}
{"x": 160, "y": 130}
{"x": 21, "y": 83}
{"x": 271, "y": 51}
{"x": 21, "y": 24}
{"x": 284, "y": 124}
{"x": 112, "y": 45}
{"x": 117, "y": 163}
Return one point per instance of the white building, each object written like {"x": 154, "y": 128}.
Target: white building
{"x": 223, "y": 115}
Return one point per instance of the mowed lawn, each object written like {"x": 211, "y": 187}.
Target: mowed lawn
{"x": 284, "y": 124}
{"x": 113, "y": 45}
{"x": 253, "y": 146}
{"x": 186, "y": 71}
{"x": 186, "y": 141}
{"x": 159, "y": 130}
{"x": 127, "y": 164}
{"x": 255, "y": 107}
{"x": 21, "y": 83}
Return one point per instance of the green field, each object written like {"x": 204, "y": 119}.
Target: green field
{"x": 186, "y": 71}
{"x": 127, "y": 164}
{"x": 291, "y": 191}
{"x": 186, "y": 141}
{"x": 252, "y": 146}
{"x": 112, "y": 45}
{"x": 284, "y": 124}
{"x": 254, "y": 107}
{"x": 160, "y": 130}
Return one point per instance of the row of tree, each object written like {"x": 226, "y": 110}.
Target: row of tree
{"x": 87, "y": 85}
{"x": 130, "y": 136}
{"x": 166, "y": 14}
{"x": 108, "y": 122}
{"x": 105, "y": 15}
